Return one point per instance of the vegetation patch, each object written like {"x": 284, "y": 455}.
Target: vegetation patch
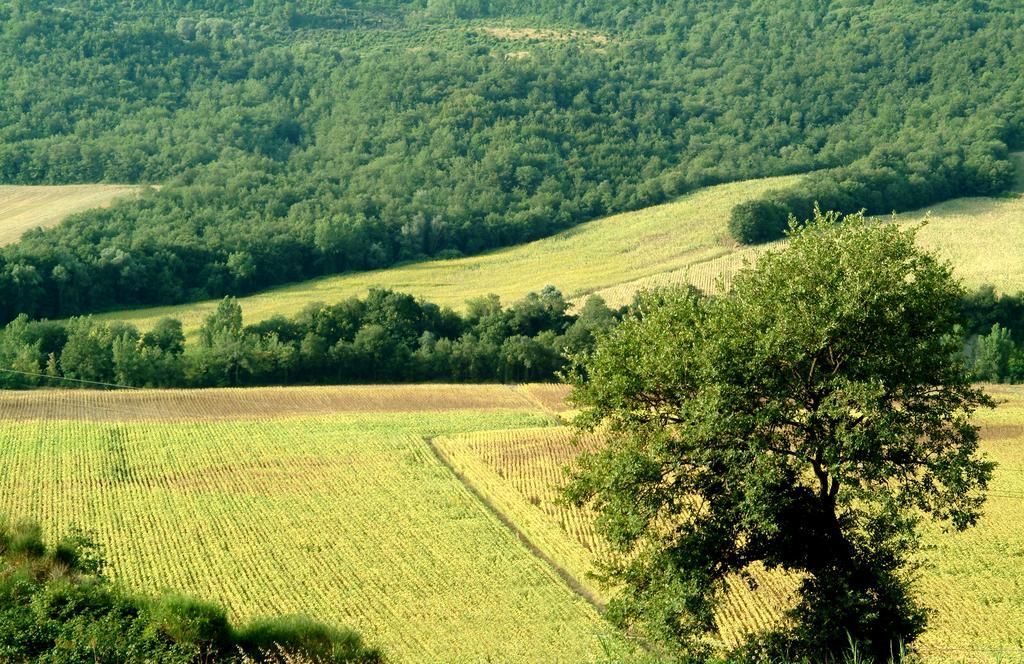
{"x": 56, "y": 605}
{"x": 346, "y": 517}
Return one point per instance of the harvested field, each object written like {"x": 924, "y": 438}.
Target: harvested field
{"x": 550, "y": 396}
{"x": 261, "y": 403}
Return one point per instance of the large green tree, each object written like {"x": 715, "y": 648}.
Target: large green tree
{"x": 806, "y": 421}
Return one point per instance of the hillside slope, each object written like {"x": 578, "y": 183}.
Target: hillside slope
{"x": 297, "y": 142}
{"x": 42, "y": 206}
{"x": 678, "y": 242}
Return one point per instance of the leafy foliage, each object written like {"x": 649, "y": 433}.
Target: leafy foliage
{"x": 386, "y": 337}
{"x": 299, "y": 141}
{"x": 890, "y": 179}
{"x": 806, "y": 421}
{"x": 56, "y": 606}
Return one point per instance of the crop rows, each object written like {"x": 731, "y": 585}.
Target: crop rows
{"x": 973, "y": 581}
{"x": 521, "y": 473}
{"x": 271, "y": 402}
{"x": 348, "y": 518}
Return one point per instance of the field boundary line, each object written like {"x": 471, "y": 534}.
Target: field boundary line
{"x": 522, "y": 391}
{"x": 571, "y": 581}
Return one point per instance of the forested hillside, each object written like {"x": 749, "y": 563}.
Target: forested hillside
{"x": 298, "y": 139}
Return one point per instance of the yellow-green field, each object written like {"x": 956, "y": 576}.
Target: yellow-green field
{"x": 974, "y": 582}
{"x": 426, "y": 517}
{"x": 346, "y": 516}
{"x": 26, "y": 207}
{"x": 590, "y": 257}
{"x": 679, "y": 242}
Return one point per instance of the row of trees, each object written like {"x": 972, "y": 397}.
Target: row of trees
{"x": 289, "y": 145}
{"x": 995, "y": 357}
{"x": 890, "y": 179}
{"x": 391, "y": 337}
{"x": 993, "y": 326}
{"x": 386, "y": 337}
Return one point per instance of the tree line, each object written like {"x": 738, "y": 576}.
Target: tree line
{"x": 385, "y": 337}
{"x": 391, "y": 337}
{"x": 296, "y": 140}
{"x": 890, "y": 179}
{"x": 993, "y": 329}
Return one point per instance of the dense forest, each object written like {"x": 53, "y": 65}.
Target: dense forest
{"x": 389, "y": 337}
{"x": 297, "y": 139}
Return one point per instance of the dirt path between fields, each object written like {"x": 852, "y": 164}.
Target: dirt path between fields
{"x": 568, "y": 578}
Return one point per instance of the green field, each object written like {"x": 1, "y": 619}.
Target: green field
{"x": 345, "y": 516}
{"x": 26, "y": 207}
{"x": 679, "y": 242}
{"x": 330, "y": 501}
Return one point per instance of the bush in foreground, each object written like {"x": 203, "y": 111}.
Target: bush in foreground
{"x": 56, "y": 606}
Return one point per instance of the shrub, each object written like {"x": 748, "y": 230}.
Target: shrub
{"x": 304, "y": 637}
{"x": 758, "y": 221}
{"x": 56, "y": 607}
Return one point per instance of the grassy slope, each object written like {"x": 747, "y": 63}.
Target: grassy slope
{"x": 26, "y": 207}
{"x": 682, "y": 241}
{"x": 347, "y": 517}
{"x": 973, "y": 580}
{"x": 981, "y": 237}
{"x": 584, "y": 259}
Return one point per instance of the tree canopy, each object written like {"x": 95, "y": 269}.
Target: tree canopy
{"x": 298, "y": 139}
{"x": 806, "y": 421}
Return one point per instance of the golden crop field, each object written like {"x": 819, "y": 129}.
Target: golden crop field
{"x": 973, "y": 580}
{"x": 685, "y": 241}
{"x": 519, "y": 472}
{"x": 348, "y": 517}
{"x": 234, "y": 403}
{"x": 26, "y": 207}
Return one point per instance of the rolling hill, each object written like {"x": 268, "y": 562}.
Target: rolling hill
{"x": 682, "y": 241}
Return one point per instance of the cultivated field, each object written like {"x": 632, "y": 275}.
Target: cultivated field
{"x": 26, "y": 207}
{"x": 680, "y": 242}
{"x": 426, "y": 517}
{"x": 973, "y": 581}
{"x": 520, "y": 471}
{"x": 345, "y": 516}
